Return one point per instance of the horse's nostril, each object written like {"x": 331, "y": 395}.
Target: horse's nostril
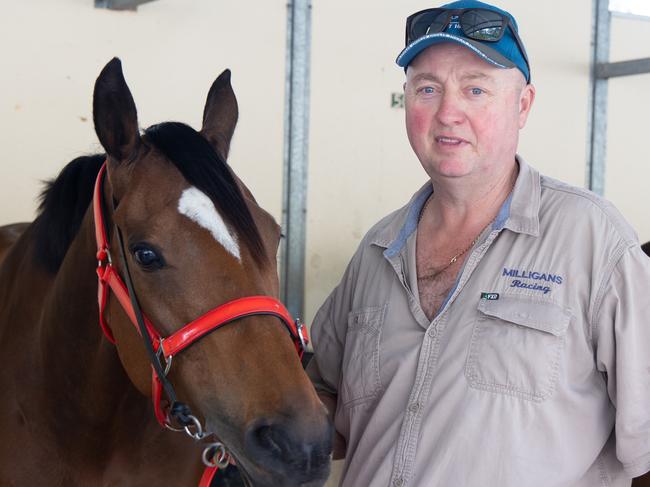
{"x": 286, "y": 448}
{"x": 273, "y": 439}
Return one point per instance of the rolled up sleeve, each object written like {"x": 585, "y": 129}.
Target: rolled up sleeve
{"x": 328, "y": 333}
{"x": 325, "y": 367}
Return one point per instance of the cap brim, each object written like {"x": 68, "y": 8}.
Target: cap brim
{"x": 482, "y": 50}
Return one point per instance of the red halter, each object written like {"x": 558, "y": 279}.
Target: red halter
{"x": 168, "y": 347}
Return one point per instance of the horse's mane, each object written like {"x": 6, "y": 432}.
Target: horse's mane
{"x": 64, "y": 200}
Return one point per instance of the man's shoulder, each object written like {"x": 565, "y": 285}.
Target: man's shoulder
{"x": 582, "y": 206}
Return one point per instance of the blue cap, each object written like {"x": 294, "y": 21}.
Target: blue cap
{"x": 504, "y": 54}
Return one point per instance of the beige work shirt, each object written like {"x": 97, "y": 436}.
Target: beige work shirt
{"x": 534, "y": 372}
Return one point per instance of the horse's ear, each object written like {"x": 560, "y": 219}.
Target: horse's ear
{"x": 220, "y": 114}
{"x": 114, "y": 113}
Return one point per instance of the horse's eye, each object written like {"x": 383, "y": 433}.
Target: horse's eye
{"x": 147, "y": 257}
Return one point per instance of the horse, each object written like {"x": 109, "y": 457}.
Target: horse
{"x": 163, "y": 215}
{"x": 8, "y": 236}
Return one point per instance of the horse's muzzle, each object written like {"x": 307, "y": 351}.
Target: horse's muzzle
{"x": 290, "y": 453}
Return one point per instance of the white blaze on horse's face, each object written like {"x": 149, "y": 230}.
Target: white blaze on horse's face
{"x": 196, "y": 205}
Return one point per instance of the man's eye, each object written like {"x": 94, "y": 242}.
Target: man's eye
{"x": 477, "y": 91}
{"x": 427, "y": 90}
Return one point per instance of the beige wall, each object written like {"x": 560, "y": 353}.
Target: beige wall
{"x": 361, "y": 165}
{"x": 627, "y": 177}
{"x": 171, "y": 50}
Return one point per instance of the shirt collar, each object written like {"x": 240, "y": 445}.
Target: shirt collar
{"x": 519, "y": 213}
{"x": 525, "y": 201}
{"x": 410, "y": 223}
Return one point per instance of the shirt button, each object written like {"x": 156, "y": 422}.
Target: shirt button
{"x": 414, "y": 407}
{"x": 433, "y": 331}
{"x": 398, "y": 482}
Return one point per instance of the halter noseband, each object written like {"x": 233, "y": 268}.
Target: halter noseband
{"x": 161, "y": 350}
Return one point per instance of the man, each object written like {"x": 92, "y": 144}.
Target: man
{"x": 494, "y": 331}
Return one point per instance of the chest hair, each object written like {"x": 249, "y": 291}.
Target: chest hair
{"x": 435, "y": 287}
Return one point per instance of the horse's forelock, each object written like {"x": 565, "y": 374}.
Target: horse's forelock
{"x": 204, "y": 169}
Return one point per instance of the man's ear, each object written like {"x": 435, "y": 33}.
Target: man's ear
{"x": 526, "y": 100}
{"x": 220, "y": 114}
{"x": 114, "y": 114}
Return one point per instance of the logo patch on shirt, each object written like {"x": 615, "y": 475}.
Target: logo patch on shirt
{"x": 533, "y": 280}
{"x": 490, "y": 296}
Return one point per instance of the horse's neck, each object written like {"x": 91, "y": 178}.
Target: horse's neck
{"x": 64, "y": 380}
{"x": 88, "y": 363}
{"x": 81, "y": 377}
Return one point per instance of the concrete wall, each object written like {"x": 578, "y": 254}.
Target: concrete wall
{"x": 628, "y": 150}
{"x": 171, "y": 51}
{"x": 361, "y": 165}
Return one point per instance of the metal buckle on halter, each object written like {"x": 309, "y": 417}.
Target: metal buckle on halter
{"x": 198, "y": 435}
{"x": 215, "y": 455}
{"x": 104, "y": 257}
{"x": 299, "y": 329}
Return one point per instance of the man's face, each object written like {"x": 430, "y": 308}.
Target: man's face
{"x": 463, "y": 114}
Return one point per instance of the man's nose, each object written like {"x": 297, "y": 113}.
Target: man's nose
{"x": 450, "y": 111}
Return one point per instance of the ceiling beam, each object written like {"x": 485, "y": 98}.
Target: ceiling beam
{"x": 622, "y": 68}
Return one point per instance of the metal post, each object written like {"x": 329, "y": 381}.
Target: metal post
{"x": 296, "y": 132}
{"x": 120, "y": 4}
{"x": 598, "y": 107}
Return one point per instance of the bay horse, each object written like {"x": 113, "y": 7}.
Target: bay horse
{"x": 188, "y": 239}
{"x": 8, "y": 236}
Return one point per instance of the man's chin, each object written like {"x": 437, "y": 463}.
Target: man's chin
{"x": 450, "y": 169}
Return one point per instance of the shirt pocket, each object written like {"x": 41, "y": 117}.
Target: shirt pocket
{"x": 516, "y": 347}
{"x": 360, "y": 379}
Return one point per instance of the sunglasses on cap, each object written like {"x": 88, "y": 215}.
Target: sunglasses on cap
{"x": 479, "y": 24}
